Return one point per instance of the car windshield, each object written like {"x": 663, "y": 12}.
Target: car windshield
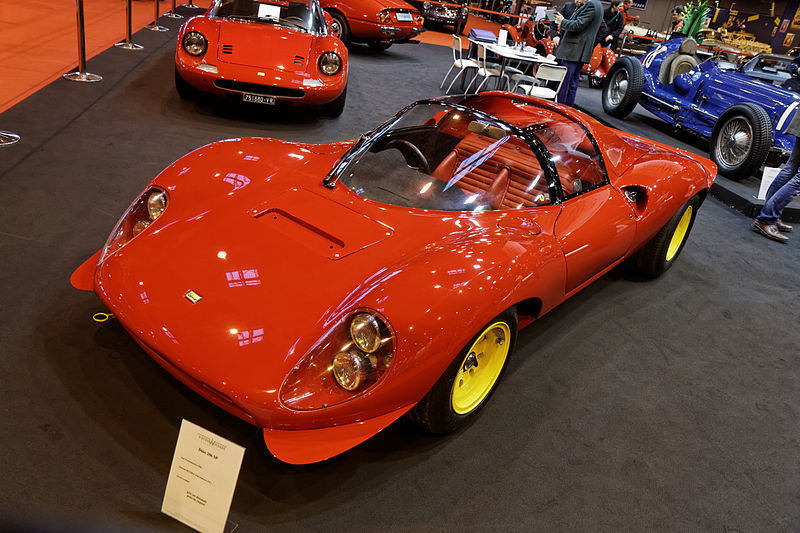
{"x": 770, "y": 68}
{"x": 301, "y": 15}
{"x": 441, "y": 157}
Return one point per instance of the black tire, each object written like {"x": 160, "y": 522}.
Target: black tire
{"x": 185, "y": 91}
{"x": 622, "y": 87}
{"x": 658, "y": 255}
{"x": 335, "y": 108}
{"x": 435, "y": 412}
{"x": 738, "y": 160}
{"x": 343, "y": 30}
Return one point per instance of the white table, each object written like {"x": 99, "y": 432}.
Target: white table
{"x": 527, "y": 54}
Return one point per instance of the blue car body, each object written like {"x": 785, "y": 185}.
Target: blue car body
{"x": 695, "y": 100}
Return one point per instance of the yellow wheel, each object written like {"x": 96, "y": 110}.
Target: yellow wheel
{"x": 470, "y": 379}
{"x": 658, "y": 255}
{"x": 480, "y": 369}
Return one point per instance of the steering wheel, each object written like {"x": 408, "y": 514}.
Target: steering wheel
{"x": 409, "y": 149}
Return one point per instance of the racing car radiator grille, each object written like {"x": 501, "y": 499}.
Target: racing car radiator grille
{"x": 257, "y": 88}
{"x": 227, "y": 48}
{"x": 299, "y": 60}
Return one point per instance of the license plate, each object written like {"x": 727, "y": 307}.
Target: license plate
{"x": 404, "y": 17}
{"x": 258, "y": 99}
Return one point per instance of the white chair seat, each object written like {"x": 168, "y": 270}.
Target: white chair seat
{"x": 545, "y": 93}
{"x": 465, "y": 63}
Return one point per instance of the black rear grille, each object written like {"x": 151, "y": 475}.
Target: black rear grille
{"x": 257, "y": 88}
{"x": 227, "y": 48}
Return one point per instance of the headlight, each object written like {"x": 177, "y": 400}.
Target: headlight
{"x": 146, "y": 209}
{"x": 348, "y": 361}
{"x": 195, "y": 43}
{"x": 464, "y": 10}
{"x": 330, "y": 63}
{"x": 364, "y": 331}
{"x": 384, "y": 16}
{"x": 426, "y": 5}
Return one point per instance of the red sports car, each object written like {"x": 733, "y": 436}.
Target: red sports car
{"x": 263, "y": 51}
{"x": 322, "y": 291}
{"x": 379, "y": 23}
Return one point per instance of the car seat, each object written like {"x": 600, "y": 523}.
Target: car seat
{"x": 680, "y": 62}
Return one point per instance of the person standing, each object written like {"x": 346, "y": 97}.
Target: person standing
{"x": 615, "y": 23}
{"x": 575, "y": 47}
{"x": 677, "y": 19}
{"x": 782, "y": 190}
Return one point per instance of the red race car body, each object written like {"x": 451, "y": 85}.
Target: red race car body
{"x": 263, "y": 51}
{"x": 379, "y": 23}
{"x": 322, "y": 291}
{"x": 598, "y": 66}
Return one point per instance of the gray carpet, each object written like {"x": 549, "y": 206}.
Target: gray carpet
{"x": 669, "y": 405}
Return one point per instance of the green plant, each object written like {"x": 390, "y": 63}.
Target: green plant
{"x": 694, "y": 18}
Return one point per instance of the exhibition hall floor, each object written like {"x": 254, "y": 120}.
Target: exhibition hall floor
{"x": 665, "y": 405}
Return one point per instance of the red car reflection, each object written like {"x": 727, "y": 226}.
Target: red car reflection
{"x": 320, "y": 292}
{"x": 263, "y": 51}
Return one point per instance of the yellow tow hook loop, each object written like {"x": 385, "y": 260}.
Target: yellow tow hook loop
{"x": 102, "y": 317}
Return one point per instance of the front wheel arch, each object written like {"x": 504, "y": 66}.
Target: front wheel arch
{"x": 437, "y": 411}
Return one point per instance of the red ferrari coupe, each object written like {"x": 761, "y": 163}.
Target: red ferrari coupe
{"x": 378, "y": 23}
{"x": 263, "y": 51}
{"x": 322, "y": 291}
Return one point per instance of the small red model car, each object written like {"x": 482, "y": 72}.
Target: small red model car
{"x": 263, "y": 51}
{"x": 379, "y": 23}
{"x": 322, "y": 291}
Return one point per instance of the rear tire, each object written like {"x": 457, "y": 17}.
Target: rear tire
{"x": 658, "y": 255}
{"x": 471, "y": 378}
{"x": 622, "y": 87}
{"x": 740, "y": 140}
{"x": 335, "y": 108}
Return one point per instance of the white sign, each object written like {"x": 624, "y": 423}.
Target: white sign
{"x": 502, "y": 37}
{"x": 202, "y": 479}
{"x": 266, "y": 11}
{"x": 766, "y": 180}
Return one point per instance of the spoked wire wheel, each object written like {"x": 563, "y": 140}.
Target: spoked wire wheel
{"x": 734, "y": 141}
{"x": 618, "y": 87}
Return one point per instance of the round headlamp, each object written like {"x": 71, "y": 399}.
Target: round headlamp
{"x": 195, "y": 43}
{"x": 351, "y": 369}
{"x": 464, "y": 10}
{"x": 365, "y": 332}
{"x": 156, "y": 203}
{"x": 330, "y": 63}
{"x": 426, "y": 5}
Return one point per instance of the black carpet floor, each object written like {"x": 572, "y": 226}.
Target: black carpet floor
{"x": 670, "y": 405}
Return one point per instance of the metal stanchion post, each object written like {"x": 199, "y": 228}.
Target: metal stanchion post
{"x": 81, "y": 74}
{"x": 191, "y": 5}
{"x": 128, "y": 44}
{"x": 154, "y": 26}
{"x": 8, "y": 138}
{"x": 172, "y": 13}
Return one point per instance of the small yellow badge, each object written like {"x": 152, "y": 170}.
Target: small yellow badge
{"x": 193, "y": 297}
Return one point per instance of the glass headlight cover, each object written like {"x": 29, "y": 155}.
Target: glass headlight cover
{"x": 330, "y": 63}
{"x": 194, "y": 43}
{"x": 426, "y": 5}
{"x": 143, "y": 212}
{"x": 336, "y": 370}
{"x": 365, "y": 332}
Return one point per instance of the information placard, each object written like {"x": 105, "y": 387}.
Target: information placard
{"x": 202, "y": 479}
{"x": 766, "y": 180}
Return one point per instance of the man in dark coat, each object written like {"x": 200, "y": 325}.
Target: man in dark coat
{"x": 578, "y": 35}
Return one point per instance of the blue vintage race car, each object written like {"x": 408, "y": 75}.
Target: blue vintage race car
{"x": 743, "y": 111}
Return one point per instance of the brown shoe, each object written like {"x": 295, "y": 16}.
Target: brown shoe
{"x": 782, "y": 226}
{"x": 769, "y": 230}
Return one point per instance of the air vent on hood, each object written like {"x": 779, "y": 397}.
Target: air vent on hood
{"x": 299, "y": 60}
{"x": 227, "y": 48}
